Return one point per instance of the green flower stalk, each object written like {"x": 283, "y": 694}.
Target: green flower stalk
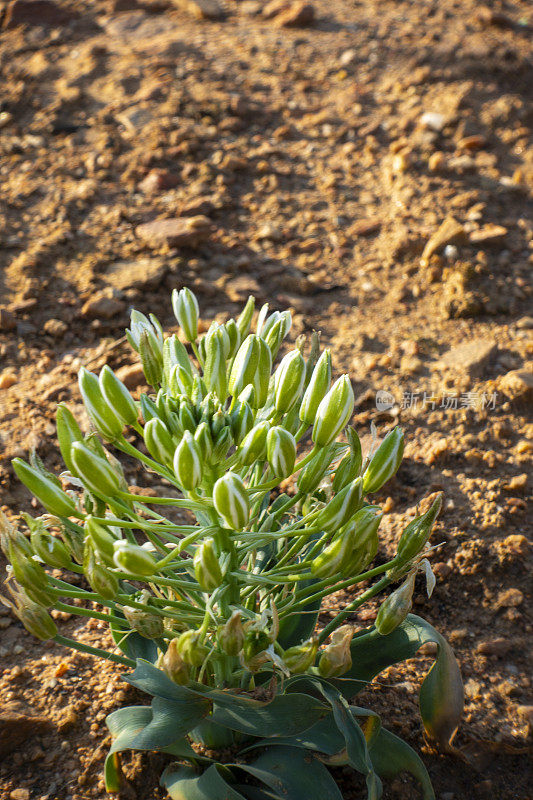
{"x": 212, "y": 582}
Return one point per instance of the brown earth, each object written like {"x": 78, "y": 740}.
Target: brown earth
{"x": 370, "y": 166}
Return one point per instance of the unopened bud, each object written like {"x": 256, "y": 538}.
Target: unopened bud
{"x": 281, "y": 451}
{"x": 206, "y": 567}
{"x": 215, "y": 365}
{"x": 150, "y": 626}
{"x": 288, "y": 381}
{"x": 333, "y": 557}
{"x": 255, "y": 641}
{"x": 298, "y": 659}
{"x": 191, "y": 649}
{"x": 350, "y": 466}
{"x": 186, "y": 311}
{"x": 395, "y": 607}
{"x": 159, "y": 442}
{"x": 234, "y": 336}
{"x": 50, "y": 549}
{"x": 385, "y": 462}
{"x": 204, "y": 439}
{"x": 37, "y": 621}
{"x": 174, "y": 353}
{"x": 244, "y": 320}
{"x": 253, "y": 447}
{"x": 222, "y": 444}
{"x": 317, "y": 388}
{"x": 336, "y": 658}
{"x": 188, "y": 462}
{"x": 95, "y": 472}
{"x": 417, "y": 533}
{"x": 173, "y": 664}
{"x": 231, "y": 501}
{"x": 314, "y": 472}
{"x": 117, "y": 396}
{"x": 46, "y": 490}
{"x": 333, "y": 412}
{"x": 68, "y": 432}
{"x": 277, "y": 332}
{"x": 230, "y": 636}
{"x": 101, "y": 580}
{"x": 151, "y": 359}
{"x": 242, "y": 421}
{"x": 29, "y": 573}
{"x": 133, "y": 559}
{"x": 104, "y": 419}
{"x": 102, "y": 540}
{"x": 341, "y": 507}
{"x": 252, "y": 365}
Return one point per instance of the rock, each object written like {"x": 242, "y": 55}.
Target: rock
{"x": 19, "y": 794}
{"x": 18, "y": 723}
{"x": 470, "y": 358}
{"x": 474, "y": 142}
{"x": 201, "y": 9}
{"x": 442, "y": 569}
{"x": 240, "y": 288}
{"x": 525, "y": 323}
{"x": 146, "y": 272}
{"x": 450, "y": 232}
{"x": 494, "y": 647}
{"x": 364, "y": 227}
{"x": 516, "y": 544}
{"x": 7, "y": 379}
{"x": 197, "y": 205}
{"x": 131, "y": 375}
{"x": 517, "y": 483}
{"x": 158, "y": 180}
{"x": 510, "y": 598}
{"x": 517, "y": 385}
{"x": 347, "y": 58}
{"x": 297, "y": 15}
{"x": 103, "y": 306}
{"x": 36, "y": 12}
{"x": 275, "y": 7}
{"x": 55, "y": 327}
{"x": 433, "y": 120}
{"x": 176, "y": 232}
{"x": 8, "y": 320}
{"x": 488, "y": 234}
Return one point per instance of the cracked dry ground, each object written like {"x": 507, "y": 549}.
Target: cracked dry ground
{"x": 313, "y": 167}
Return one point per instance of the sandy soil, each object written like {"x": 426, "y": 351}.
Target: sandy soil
{"x": 371, "y": 169}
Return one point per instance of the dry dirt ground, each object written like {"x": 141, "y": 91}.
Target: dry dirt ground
{"x": 371, "y": 169}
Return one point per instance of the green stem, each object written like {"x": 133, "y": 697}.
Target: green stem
{"x": 93, "y": 651}
{"x": 334, "y": 624}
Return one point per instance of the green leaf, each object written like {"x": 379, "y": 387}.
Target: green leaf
{"x": 441, "y": 693}
{"x": 391, "y": 755}
{"x": 292, "y": 775}
{"x": 184, "y": 783}
{"x": 286, "y": 714}
{"x": 153, "y": 681}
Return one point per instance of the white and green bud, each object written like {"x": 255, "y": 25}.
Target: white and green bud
{"x": 254, "y": 445}
{"x": 46, "y": 490}
{"x": 350, "y": 466}
{"x": 188, "y": 464}
{"x": 173, "y": 664}
{"x": 289, "y": 381}
{"x": 104, "y": 419}
{"x": 341, "y": 507}
{"x": 241, "y": 420}
{"x": 117, "y": 396}
{"x": 244, "y": 320}
{"x": 36, "y": 620}
{"x": 191, "y": 648}
{"x": 396, "y": 607}
{"x": 68, "y": 432}
{"x": 230, "y": 636}
{"x": 96, "y": 473}
{"x": 159, "y": 442}
{"x": 334, "y": 557}
{"x": 206, "y": 566}
{"x": 277, "y": 332}
{"x": 187, "y": 312}
{"x": 151, "y": 626}
{"x": 301, "y": 657}
{"x": 102, "y": 540}
{"x": 139, "y": 323}
{"x": 336, "y": 658}
{"x": 174, "y": 353}
{"x": 281, "y": 451}
{"x": 334, "y": 412}
{"x": 215, "y": 365}
{"x": 317, "y": 389}
{"x": 222, "y": 444}
{"x": 180, "y": 381}
{"x": 314, "y": 472}
{"x": 101, "y": 580}
{"x": 151, "y": 359}
{"x": 231, "y": 501}
{"x": 132, "y": 558}
{"x": 50, "y": 549}
{"x": 203, "y": 437}
{"x": 234, "y": 336}
{"x": 385, "y": 462}
{"x": 28, "y": 572}
{"x": 252, "y": 365}
{"x": 417, "y": 533}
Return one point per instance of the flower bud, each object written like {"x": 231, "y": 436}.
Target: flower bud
{"x": 102, "y": 540}
{"x": 159, "y": 442}
{"x": 253, "y": 447}
{"x": 186, "y": 311}
{"x": 245, "y": 318}
{"x": 188, "y": 462}
{"x": 206, "y": 567}
{"x": 68, "y": 432}
{"x": 234, "y": 336}
{"x": 95, "y": 472}
{"x": 189, "y": 646}
{"x": 132, "y": 558}
{"x": 230, "y": 636}
{"x": 151, "y": 626}
{"x": 275, "y": 335}
{"x": 37, "y": 621}
{"x": 334, "y": 556}
{"x": 281, "y": 451}
{"x": 151, "y": 359}
{"x": 317, "y": 388}
{"x": 180, "y": 381}
{"x": 139, "y": 324}
{"x": 198, "y": 391}
{"x": 149, "y": 409}
{"x": 415, "y": 536}
{"x": 298, "y": 659}
{"x": 252, "y": 365}
{"x": 314, "y": 472}
{"x": 174, "y": 353}
{"x": 46, "y": 490}
{"x": 241, "y": 420}
{"x": 101, "y": 414}
{"x": 333, "y": 412}
{"x": 289, "y": 381}
{"x": 50, "y": 549}
{"x": 215, "y": 365}
{"x": 222, "y": 444}
{"x": 231, "y": 501}
{"x": 28, "y": 572}
{"x": 186, "y": 418}
{"x": 255, "y": 641}
{"x": 173, "y": 664}
{"x": 365, "y": 526}
{"x": 101, "y": 580}
{"x": 395, "y": 607}
{"x": 350, "y": 466}
{"x": 117, "y": 396}
{"x": 336, "y": 658}
{"x": 205, "y": 441}
{"x": 385, "y": 462}
{"x": 340, "y": 508}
